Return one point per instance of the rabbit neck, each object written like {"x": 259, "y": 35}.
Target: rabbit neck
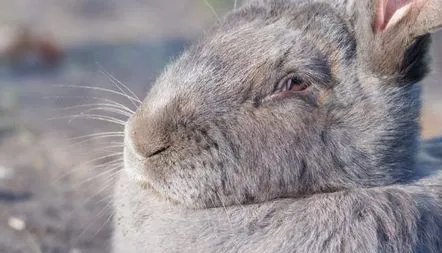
{"x": 146, "y": 224}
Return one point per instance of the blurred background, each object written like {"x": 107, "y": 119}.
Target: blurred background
{"x": 64, "y": 65}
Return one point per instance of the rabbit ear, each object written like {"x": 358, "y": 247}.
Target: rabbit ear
{"x": 422, "y": 16}
{"x": 391, "y": 35}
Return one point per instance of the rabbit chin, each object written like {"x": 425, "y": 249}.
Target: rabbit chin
{"x": 133, "y": 162}
{"x": 135, "y": 167}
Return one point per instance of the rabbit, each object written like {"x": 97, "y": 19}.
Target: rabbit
{"x": 290, "y": 126}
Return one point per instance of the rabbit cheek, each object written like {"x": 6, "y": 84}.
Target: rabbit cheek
{"x": 190, "y": 173}
{"x": 189, "y": 184}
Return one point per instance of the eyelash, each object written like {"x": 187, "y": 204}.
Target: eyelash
{"x": 291, "y": 83}
{"x": 283, "y": 89}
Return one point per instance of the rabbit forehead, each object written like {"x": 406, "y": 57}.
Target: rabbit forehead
{"x": 228, "y": 62}
{"x": 232, "y": 55}
{"x": 253, "y": 47}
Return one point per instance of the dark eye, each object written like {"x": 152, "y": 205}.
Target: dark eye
{"x": 292, "y": 83}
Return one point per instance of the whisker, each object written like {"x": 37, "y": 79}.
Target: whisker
{"x": 95, "y": 98}
{"x": 103, "y": 199}
{"x": 103, "y": 158}
{"x": 102, "y": 134}
{"x": 100, "y": 89}
{"x": 212, "y": 9}
{"x": 119, "y": 88}
{"x": 121, "y": 144}
{"x": 225, "y": 209}
{"x": 102, "y": 118}
{"x": 107, "y": 165}
{"x": 110, "y": 147}
{"x": 104, "y": 224}
{"x": 107, "y": 109}
{"x": 98, "y": 215}
{"x": 235, "y": 4}
{"x": 110, "y": 171}
{"x": 88, "y": 113}
{"x": 77, "y": 143}
{"x": 118, "y": 83}
{"x": 107, "y": 183}
{"x": 98, "y": 117}
{"x": 76, "y": 168}
{"x": 97, "y": 105}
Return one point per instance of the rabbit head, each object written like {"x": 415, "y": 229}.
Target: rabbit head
{"x": 286, "y": 98}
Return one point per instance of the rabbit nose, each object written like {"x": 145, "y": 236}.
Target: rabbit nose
{"x": 149, "y": 134}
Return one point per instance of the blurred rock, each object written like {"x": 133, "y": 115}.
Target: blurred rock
{"x": 13, "y": 197}
{"x": 6, "y": 173}
{"x": 16, "y": 223}
{"x": 21, "y": 47}
{"x": 7, "y": 37}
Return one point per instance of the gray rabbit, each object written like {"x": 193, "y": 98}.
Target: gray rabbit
{"x": 291, "y": 126}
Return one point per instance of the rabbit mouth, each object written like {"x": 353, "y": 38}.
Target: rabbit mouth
{"x": 134, "y": 167}
{"x": 158, "y": 151}
{"x": 133, "y": 162}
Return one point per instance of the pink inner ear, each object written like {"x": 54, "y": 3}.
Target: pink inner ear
{"x": 385, "y": 11}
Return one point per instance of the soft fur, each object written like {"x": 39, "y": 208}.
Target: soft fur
{"x": 216, "y": 160}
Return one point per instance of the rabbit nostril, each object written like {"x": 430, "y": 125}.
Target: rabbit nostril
{"x": 158, "y": 151}
{"x": 150, "y": 134}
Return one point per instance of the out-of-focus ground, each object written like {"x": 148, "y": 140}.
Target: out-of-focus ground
{"x": 54, "y": 194}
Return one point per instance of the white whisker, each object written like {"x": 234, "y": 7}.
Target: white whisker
{"x": 103, "y": 199}
{"x": 225, "y": 209}
{"x": 101, "y": 106}
{"x": 100, "y": 89}
{"x": 104, "y": 224}
{"x": 96, "y": 138}
{"x": 120, "y": 144}
{"x": 98, "y": 99}
{"x": 76, "y": 168}
{"x": 98, "y": 117}
{"x": 110, "y": 171}
{"x": 98, "y": 215}
{"x": 109, "y": 110}
{"x": 110, "y": 147}
{"x": 102, "y": 134}
{"x": 107, "y": 165}
{"x": 107, "y": 183}
{"x": 120, "y": 89}
{"x": 118, "y": 83}
{"x": 103, "y": 158}
{"x": 212, "y": 9}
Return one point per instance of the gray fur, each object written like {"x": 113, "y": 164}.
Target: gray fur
{"x": 215, "y": 162}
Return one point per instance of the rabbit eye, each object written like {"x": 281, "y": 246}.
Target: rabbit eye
{"x": 292, "y": 83}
